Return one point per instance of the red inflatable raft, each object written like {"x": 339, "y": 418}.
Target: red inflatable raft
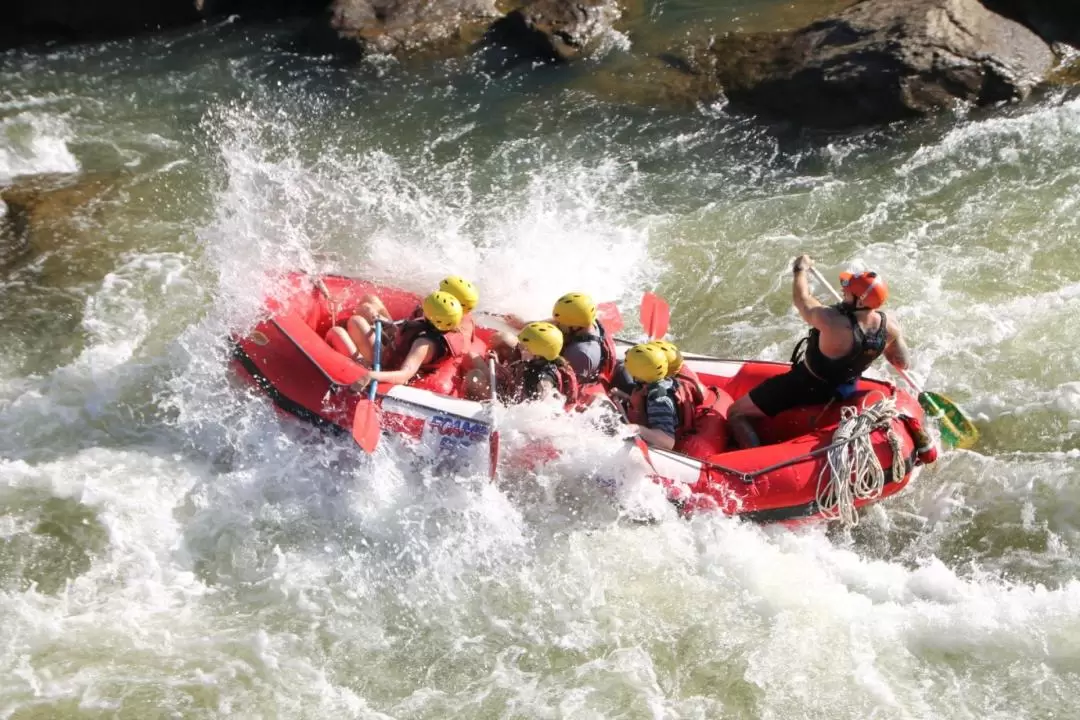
{"x": 788, "y": 478}
{"x": 286, "y": 356}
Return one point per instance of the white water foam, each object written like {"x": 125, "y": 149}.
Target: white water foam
{"x": 34, "y": 142}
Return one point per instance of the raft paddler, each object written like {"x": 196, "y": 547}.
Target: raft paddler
{"x": 843, "y": 342}
{"x": 371, "y": 307}
{"x": 419, "y": 344}
{"x": 651, "y": 409}
{"x": 539, "y": 370}
{"x": 587, "y": 346}
{"x": 691, "y": 417}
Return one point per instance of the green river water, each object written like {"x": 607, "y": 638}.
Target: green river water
{"x": 170, "y": 547}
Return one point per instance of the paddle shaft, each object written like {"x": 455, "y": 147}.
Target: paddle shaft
{"x": 376, "y": 362}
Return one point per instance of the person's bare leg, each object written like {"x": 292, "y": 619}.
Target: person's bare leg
{"x": 359, "y": 331}
{"x": 371, "y": 308}
{"x": 739, "y": 418}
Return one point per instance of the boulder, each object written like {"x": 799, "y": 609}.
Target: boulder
{"x": 554, "y": 30}
{"x": 879, "y": 61}
{"x": 45, "y": 213}
{"x": 523, "y": 29}
{"x": 402, "y": 27}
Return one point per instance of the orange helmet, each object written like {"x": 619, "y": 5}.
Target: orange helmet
{"x": 868, "y": 288}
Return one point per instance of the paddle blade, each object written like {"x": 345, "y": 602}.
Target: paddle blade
{"x": 655, "y": 316}
{"x": 610, "y": 317}
{"x": 365, "y": 427}
{"x": 956, "y": 428}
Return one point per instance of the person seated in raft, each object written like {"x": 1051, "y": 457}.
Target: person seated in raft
{"x": 703, "y": 428}
{"x": 419, "y": 344}
{"x": 587, "y": 346}
{"x": 651, "y": 410}
{"x": 843, "y": 342}
{"x": 672, "y": 410}
{"x": 528, "y": 367}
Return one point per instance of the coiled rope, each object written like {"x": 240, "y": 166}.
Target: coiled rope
{"x": 853, "y": 471}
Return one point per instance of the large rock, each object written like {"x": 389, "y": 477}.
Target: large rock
{"x": 529, "y": 29}
{"x": 402, "y": 27}
{"x": 879, "y": 61}
{"x": 42, "y": 214}
{"x": 554, "y": 30}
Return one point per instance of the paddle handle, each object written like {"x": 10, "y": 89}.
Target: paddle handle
{"x": 376, "y": 361}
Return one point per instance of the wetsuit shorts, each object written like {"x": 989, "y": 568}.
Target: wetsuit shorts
{"x": 795, "y": 388}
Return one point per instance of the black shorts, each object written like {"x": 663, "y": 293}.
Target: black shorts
{"x": 795, "y": 388}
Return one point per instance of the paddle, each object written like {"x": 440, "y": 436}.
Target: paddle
{"x": 655, "y": 316}
{"x": 366, "y": 427}
{"x": 957, "y": 430}
{"x": 608, "y": 314}
{"x": 494, "y": 433}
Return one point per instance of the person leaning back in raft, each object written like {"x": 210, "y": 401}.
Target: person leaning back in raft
{"x": 844, "y": 341}
{"x": 371, "y": 308}
{"x": 419, "y": 344}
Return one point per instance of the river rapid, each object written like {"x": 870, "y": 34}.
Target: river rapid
{"x": 171, "y": 547}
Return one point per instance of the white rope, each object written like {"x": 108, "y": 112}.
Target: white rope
{"x": 854, "y": 471}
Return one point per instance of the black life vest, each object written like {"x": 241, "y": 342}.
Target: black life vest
{"x": 559, "y": 374}
{"x": 867, "y": 348}
{"x": 449, "y": 344}
{"x": 607, "y": 351}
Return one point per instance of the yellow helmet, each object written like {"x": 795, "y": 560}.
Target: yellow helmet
{"x": 463, "y": 290}
{"x": 442, "y": 310}
{"x": 674, "y": 357}
{"x": 646, "y": 363}
{"x": 542, "y": 339}
{"x": 574, "y": 310}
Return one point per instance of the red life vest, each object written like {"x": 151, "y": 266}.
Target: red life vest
{"x": 447, "y": 344}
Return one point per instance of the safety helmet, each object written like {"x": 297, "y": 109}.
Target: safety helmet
{"x": 868, "y": 289}
{"x": 463, "y": 290}
{"x": 442, "y": 310}
{"x": 574, "y": 310}
{"x": 646, "y": 363}
{"x": 542, "y": 339}
{"x": 674, "y": 357}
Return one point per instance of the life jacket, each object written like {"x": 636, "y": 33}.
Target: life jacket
{"x": 687, "y": 396}
{"x": 607, "y": 350}
{"x": 867, "y": 348}
{"x": 529, "y": 375}
{"x": 447, "y": 344}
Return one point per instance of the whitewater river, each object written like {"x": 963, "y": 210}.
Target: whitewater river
{"x": 170, "y": 547}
